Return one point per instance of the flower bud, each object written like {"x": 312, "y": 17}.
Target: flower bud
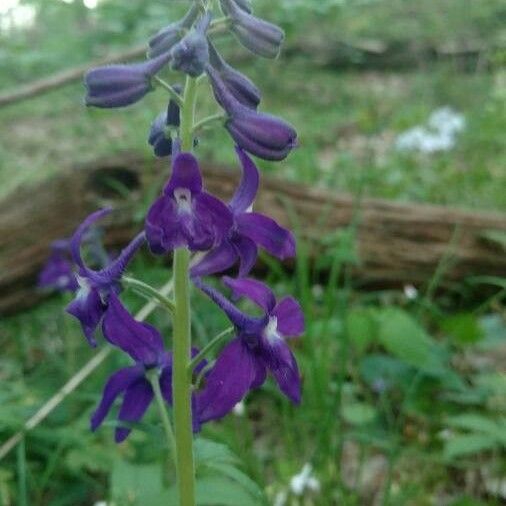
{"x": 167, "y": 37}
{"x": 259, "y": 36}
{"x": 242, "y": 88}
{"x": 191, "y": 54}
{"x": 245, "y": 5}
{"x": 260, "y": 134}
{"x": 121, "y": 85}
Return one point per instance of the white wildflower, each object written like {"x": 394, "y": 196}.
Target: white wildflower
{"x": 440, "y": 133}
{"x": 410, "y": 292}
{"x": 304, "y": 481}
{"x": 239, "y": 409}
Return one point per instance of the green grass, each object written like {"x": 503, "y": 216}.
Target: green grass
{"x": 347, "y": 124}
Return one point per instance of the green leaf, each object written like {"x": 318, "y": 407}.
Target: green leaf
{"x": 359, "y": 413}
{"x": 207, "y": 451}
{"x": 404, "y": 338}
{"x": 139, "y": 485}
{"x": 468, "y": 444}
{"x": 221, "y": 491}
{"x": 361, "y": 328}
{"x": 464, "y": 328}
{"x": 478, "y": 423}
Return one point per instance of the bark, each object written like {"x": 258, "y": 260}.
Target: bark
{"x": 396, "y": 244}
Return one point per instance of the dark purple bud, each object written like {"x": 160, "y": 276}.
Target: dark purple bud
{"x": 259, "y": 36}
{"x": 121, "y": 85}
{"x": 167, "y": 37}
{"x": 191, "y": 54}
{"x": 159, "y": 135}
{"x": 260, "y": 134}
{"x": 245, "y": 5}
{"x": 242, "y": 88}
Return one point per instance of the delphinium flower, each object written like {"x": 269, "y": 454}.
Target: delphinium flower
{"x": 144, "y": 344}
{"x": 95, "y": 286}
{"x": 259, "y": 346}
{"x": 58, "y": 272}
{"x": 204, "y": 235}
{"x": 249, "y": 230}
{"x": 186, "y": 215}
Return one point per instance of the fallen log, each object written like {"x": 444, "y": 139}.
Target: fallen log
{"x": 396, "y": 243}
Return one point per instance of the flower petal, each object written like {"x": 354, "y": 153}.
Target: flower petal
{"x": 247, "y": 251}
{"x": 254, "y": 290}
{"x": 88, "y": 308}
{"x": 77, "y": 238}
{"x": 185, "y": 174}
{"x": 140, "y": 340}
{"x": 265, "y": 232}
{"x": 290, "y": 318}
{"x": 246, "y": 192}
{"x": 213, "y": 215}
{"x": 163, "y": 228}
{"x": 136, "y": 401}
{"x": 228, "y": 381}
{"x": 279, "y": 359}
{"x": 216, "y": 260}
{"x": 116, "y": 385}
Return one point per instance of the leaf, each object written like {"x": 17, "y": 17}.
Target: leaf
{"x": 464, "y": 328}
{"x": 384, "y": 371}
{"x": 139, "y": 485}
{"x": 359, "y": 413}
{"x": 404, "y": 338}
{"x": 467, "y": 444}
{"x": 361, "y": 328}
{"x": 207, "y": 451}
{"x": 478, "y": 423}
{"x": 221, "y": 491}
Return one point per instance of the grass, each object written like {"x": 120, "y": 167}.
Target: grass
{"x": 347, "y": 125}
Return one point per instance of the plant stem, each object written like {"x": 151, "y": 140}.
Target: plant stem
{"x": 149, "y": 291}
{"x": 181, "y": 385}
{"x": 22, "y": 488}
{"x": 173, "y": 93}
{"x": 207, "y": 348}
{"x": 187, "y": 114}
{"x": 207, "y": 120}
{"x": 167, "y": 427}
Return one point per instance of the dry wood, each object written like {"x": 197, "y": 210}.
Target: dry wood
{"x": 396, "y": 243}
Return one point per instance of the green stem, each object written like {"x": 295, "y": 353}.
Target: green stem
{"x": 188, "y": 113}
{"x": 167, "y": 427}
{"x": 22, "y": 487}
{"x": 207, "y": 348}
{"x": 150, "y": 291}
{"x": 181, "y": 384}
{"x": 174, "y": 94}
{"x": 207, "y": 120}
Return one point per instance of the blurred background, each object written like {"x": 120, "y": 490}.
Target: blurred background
{"x": 404, "y": 381}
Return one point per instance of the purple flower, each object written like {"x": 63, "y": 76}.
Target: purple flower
{"x": 191, "y": 54}
{"x": 95, "y": 286}
{"x": 249, "y": 230}
{"x": 58, "y": 273}
{"x": 260, "y": 134}
{"x": 255, "y": 34}
{"x": 259, "y": 347}
{"x": 186, "y": 215}
{"x": 167, "y": 37}
{"x": 144, "y": 344}
{"x": 121, "y": 85}
{"x": 241, "y": 87}
{"x": 159, "y": 138}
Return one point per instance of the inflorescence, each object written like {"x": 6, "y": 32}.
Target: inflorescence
{"x": 220, "y": 235}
